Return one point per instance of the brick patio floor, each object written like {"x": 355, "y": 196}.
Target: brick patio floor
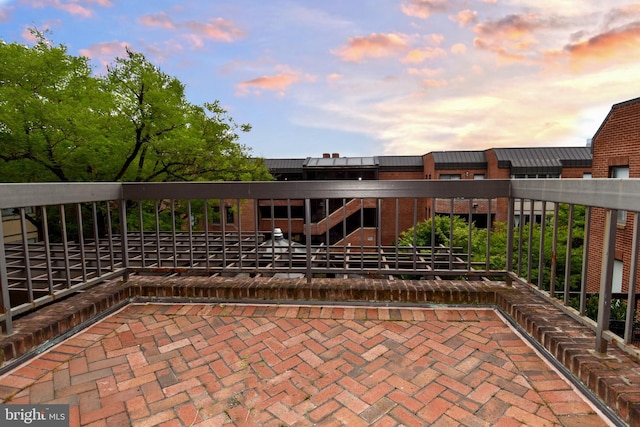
{"x": 270, "y": 365}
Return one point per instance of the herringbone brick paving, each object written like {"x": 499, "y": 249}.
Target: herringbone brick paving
{"x": 270, "y": 365}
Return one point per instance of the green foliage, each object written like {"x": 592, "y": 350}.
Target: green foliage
{"x": 618, "y": 307}
{"x": 498, "y": 236}
{"x": 447, "y": 231}
{"x": 60, "y": 123}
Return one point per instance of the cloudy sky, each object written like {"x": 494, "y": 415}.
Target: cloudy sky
{"x": 376, "y": 77}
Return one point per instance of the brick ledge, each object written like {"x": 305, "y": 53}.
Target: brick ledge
{"x": 614, "y": 379}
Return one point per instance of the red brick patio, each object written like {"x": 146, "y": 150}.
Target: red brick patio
{"x": 274, "y": 365}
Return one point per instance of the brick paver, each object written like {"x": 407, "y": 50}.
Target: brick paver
{"x": 270, "y": 365}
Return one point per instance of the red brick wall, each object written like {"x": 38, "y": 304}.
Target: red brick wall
{"x": 574, "y": 172}
{"x": 405, "y": 209}
{"x": 617, "y": 143}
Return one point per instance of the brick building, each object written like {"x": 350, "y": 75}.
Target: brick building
{"x": 503, "y": 163}
{"x": 616, "y": 154}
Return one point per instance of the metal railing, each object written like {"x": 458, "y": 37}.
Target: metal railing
{"x": 86, "y": 233}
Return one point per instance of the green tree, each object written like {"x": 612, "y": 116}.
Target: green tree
{"x": 60, "y": 123}
{"x": 498, "y": 236}
{"x": 51, "y": 110}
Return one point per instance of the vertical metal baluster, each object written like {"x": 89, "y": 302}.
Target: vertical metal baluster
{"x": 174, "y": 237}
{"x": 451, "y": 248}
{"x": 142, "y": 243}
{"x": 192, "y": 245}
{"x": 530, "y": 250}
{"x": 240, "y": 233}
{"x": 65, "y": 246}
{"x": 487, "y": 266}
{"x": 272, "y": 208}
{"x": 256, "y": 236}
{"x": 124, "y": 239}
{"x": 585, "y": 260}
{"x": 433, "y": 233}
{"x": 543, "y": 224}
{"x": 415, "y": 233}
{"x": 362, "y": 237}
{"x": 554, "y": 251}
{"x": 606, "y": 278}
{"x": 157, "y": 228}
{"x": 344, "y": 232}
{"x": 633, "y": 274}
{"x": 469, "y": 234}
{"x": 223, "y": 226}
{"x": 289, "y": 237}
{"x": 510, "y": 237}
{"x": 520, "y": 234}
{"x": 307, "y": 220}
{"x": 47, "y": 248}
{"x": 4, "y": 284}
{"x": 110, "y": 237}
{"x": 27, "y": 256}
{"x": 206, "y": 234}
{"x": 96, "y": 236}
{"x": 328, "y": 234}
{"x": 397, "y": 233}
{"x": 379, "y": 231}
{"x": 567, "y": 262}
{"x": 83, "y": 261}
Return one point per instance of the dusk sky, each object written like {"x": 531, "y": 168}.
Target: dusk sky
{"x": 377, "y": 77}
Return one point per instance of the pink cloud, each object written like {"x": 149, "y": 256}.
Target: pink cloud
{"x": 75, "y": 7}
{"x": 425, "y": 72}
{"x": 510, "y": 38}
{"x": 4, "y": 14}
{"x": 105, "y": 53}
{"x": 458, "y": 49}
{"x": 372, "y": 46}
{"x": 157, "y": 20}
{"x": 218, "y": 29}
{"x": 277, "y": 83}
{"x": 424, "y": 8}
{"x": 435, "y": 83}
{"x": 611, "y": 45}
{"x": 465, "y": 17}
{"x": 416, "y": 56}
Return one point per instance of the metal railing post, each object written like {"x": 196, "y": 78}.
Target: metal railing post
{"x": 585, "y": 261}
{"x": 633, "y": 274}
{"x": 124, "y": 243}
{"x": 4, "y": 283}
{"x": 307, "y": 232}
{"x": 510, "y": 237}
{"x": 606, "y": 278}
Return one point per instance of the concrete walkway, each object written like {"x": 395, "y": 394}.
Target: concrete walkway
{"x": 274, "y": 365}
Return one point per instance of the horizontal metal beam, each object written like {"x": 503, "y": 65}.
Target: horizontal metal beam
{"x": 317, "y": 189}
{"x": 621, "y": 194}
{"x": 56, "y": 193}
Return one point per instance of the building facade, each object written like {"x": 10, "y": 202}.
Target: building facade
{"x": 365, "y": 219}
{"x": 616, "y": 154}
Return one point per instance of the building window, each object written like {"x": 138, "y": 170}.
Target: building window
{"x": 535, "y": 176}
{"x": 478, "y": 176}
{"x": 616, "y": 280}
{"x": 229, "y": 217}
{"x": 586, "y": 175}
{"x": 620, "y": 172}
{"x": 450, "y": 176}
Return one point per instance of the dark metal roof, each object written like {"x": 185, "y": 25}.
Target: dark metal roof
{"x": 284, "y": 165}
{"x": 459, "y": 159}
{"x": 341, "y": 162}
{"x": 542, "y": 160}
{"x": 401, "y": 163}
